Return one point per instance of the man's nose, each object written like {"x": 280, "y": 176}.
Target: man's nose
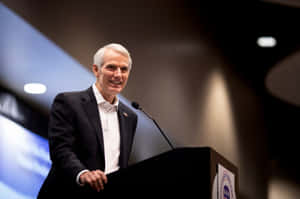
{"x": 117, "y": 72}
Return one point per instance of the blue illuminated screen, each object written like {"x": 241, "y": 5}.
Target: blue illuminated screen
{"x": 24, "y": 161}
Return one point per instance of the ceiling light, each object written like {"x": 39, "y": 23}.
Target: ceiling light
{"x": 266, "y": 42}
{"x": 35, "y": 88}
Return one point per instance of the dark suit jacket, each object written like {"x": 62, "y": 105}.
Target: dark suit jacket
{"x": 76, "y": 141}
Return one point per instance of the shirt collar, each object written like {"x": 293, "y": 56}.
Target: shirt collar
{"x": 100, "y": 99}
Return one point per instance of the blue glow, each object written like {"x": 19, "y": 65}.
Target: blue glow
{"x": 26, "y": 55}
{"x": 24, "y": 161}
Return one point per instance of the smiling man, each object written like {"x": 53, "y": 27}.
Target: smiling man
{"x": 91, "y": 132}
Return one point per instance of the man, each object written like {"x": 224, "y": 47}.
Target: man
{"x": 91, "y": 132}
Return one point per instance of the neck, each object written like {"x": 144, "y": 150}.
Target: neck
{"x": 110, "y": 98}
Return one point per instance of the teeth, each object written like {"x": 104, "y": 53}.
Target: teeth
{"x": 115, "y": 82}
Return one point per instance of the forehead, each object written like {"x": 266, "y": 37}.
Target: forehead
{"x": 114, "y": 57}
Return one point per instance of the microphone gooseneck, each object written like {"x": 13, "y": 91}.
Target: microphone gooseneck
{"x": 137, "y": 106}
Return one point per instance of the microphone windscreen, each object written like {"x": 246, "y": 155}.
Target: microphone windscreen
{"x": 135, "y": 105}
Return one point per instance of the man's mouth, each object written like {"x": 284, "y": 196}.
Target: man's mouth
{"x": 115, "y": 82}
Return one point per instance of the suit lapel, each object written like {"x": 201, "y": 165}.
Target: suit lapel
{"x": 91, "y": 109}
{"x": 124, "y": 137}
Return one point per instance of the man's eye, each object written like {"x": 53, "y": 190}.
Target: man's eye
{"x": 111, "y": 67}
{"x": 124, "y": 69}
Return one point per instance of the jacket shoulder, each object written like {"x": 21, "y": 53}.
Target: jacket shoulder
{"x": 73, "y": 95}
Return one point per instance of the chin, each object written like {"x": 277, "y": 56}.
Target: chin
{"x": 115, "y": 91}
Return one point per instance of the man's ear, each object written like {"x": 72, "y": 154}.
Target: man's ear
{"x": 95, "y": 70}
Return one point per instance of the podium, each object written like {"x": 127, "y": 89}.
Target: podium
{"x": 180, "y": 173}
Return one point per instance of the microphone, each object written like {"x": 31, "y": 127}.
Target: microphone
{"x": 137, "y": 106}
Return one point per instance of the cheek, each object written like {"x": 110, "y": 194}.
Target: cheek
{"x": 125, "y": 78}
{"x": 104, "y": 77}
{"x": 103, "y": 81}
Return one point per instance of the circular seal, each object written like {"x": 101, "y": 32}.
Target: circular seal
{"x": 226, "y": 187}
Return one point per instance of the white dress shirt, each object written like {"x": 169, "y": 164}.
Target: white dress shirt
{"x": 111, "y": 132}
{"x": 110, "y": 129}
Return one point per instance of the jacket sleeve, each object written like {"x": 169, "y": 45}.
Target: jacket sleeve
{"x": 61, "y": 134}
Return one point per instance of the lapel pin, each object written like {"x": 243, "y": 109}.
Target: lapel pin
{"x": 125, "y": 114}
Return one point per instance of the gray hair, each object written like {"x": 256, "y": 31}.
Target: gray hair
{"x": 98, "y": 57}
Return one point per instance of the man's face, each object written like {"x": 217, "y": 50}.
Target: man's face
{"x": 113, "y": 75}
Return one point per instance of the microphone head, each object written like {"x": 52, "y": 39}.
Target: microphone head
{"x": 135, "y": 105}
